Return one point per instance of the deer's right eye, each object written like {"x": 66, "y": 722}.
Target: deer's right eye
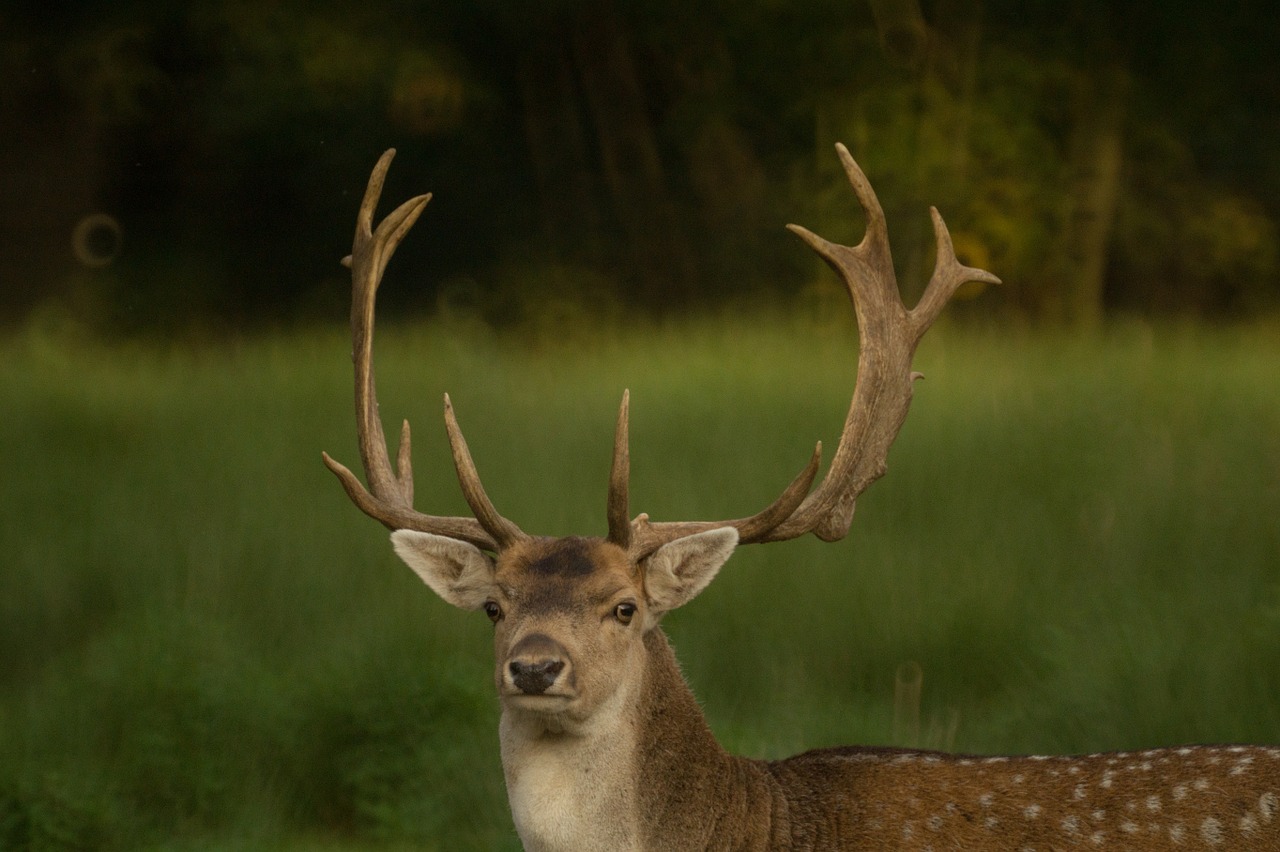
{"x": 492, "y": 610}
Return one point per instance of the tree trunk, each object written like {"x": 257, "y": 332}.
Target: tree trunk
{"x": 657, "y": 251}
{"x": 1094, "y": 159}
{"x": 557, "y": 138}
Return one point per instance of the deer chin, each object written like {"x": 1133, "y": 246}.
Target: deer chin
{"x": 546, "y": 715}
{"x": 547, "y": 703}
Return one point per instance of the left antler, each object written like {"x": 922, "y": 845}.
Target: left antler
{"x": 888, "y": 335}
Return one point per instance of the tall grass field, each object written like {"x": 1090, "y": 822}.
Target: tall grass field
{"x": 204, "y": 645}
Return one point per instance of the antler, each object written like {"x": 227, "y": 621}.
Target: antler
{"x": 389, "y": 497}
{"x": 888, "y": 335}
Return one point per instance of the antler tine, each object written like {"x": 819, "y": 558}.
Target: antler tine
{"x": 646, "y": 536}
{"x": 389, "y": 496}
{"x": 948, "y": 275}
{"x": 619, "y": 511}
{"x": 504, "y": 532}
{"x": 888, "y": 335}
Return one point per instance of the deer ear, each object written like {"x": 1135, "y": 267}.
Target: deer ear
{"x": 456, "y": 571}
{"x": 680, "y": 569}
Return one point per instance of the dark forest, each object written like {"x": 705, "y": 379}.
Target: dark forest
{"x": 166, "y": 166}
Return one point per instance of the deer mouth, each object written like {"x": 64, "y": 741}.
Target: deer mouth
{"x": 542, "y": 702}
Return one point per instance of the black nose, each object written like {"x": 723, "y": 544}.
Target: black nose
{"x": 534, "y": 677}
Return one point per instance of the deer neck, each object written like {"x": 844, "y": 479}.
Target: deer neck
{"x": 567, "y": 783}
{"x": 638, "y": 771}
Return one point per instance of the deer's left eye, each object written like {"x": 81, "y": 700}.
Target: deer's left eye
{"x": 624, "y": 612}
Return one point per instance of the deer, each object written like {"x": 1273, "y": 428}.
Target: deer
{"x": 603, "y": 744}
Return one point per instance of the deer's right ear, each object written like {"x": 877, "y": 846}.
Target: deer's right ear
{"x": 457, "y": 571}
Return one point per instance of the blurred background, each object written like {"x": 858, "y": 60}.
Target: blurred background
{"x": 204, "y": 646}
{"x": 1103, "y": 157}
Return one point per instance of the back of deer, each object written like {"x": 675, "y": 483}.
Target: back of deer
{"x": 1194, "y": 797}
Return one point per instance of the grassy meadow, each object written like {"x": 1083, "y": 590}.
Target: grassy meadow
{"x": 203, "y": 645}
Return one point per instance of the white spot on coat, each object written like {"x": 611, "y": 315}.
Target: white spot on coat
{"x": 1268, "y": 806}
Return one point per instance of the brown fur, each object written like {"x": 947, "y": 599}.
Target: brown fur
{"x": 696, "y": 796}
{"x": 617, "y": 754}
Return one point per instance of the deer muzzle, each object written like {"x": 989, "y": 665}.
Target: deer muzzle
{"x": 535, "y": 664}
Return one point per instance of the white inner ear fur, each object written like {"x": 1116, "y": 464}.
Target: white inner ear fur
{"x": 680, "y": 569}
{"x": 458, "y": 572}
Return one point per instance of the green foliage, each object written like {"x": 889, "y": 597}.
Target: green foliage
{"x": 1188, "y": 242}
{"x": 991, "y": 169}
{"x": 207, "y": 647}
{"x": 49, "y": 814}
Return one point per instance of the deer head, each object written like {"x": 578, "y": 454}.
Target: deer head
{"x": 569, "y": 612}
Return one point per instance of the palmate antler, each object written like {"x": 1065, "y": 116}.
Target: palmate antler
{"x": 888, "y": 336}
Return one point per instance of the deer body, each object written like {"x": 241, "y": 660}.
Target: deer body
{"x": 611, "y": 751}
{"x": 603, "y": 744}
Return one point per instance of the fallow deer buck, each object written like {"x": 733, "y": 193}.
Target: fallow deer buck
{"x": 603, "y": 745}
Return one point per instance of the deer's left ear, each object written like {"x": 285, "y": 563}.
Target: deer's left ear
{"x": 676, "y": 572}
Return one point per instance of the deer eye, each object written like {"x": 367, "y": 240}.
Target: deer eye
{"x": 624, "y": 612}
{"x": 492, "y": 610}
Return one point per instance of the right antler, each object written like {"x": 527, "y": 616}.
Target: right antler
{"x": 389, "y": 497}
{"x": 888, "y": 335}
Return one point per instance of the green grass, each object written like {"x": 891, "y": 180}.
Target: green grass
{"x": 204, "y": 646}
